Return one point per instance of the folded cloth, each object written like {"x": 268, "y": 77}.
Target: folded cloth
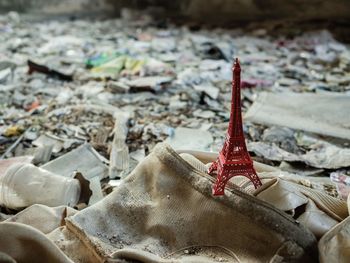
{"x": 316, "y": 210}
{"x": 334, "y": 246}
{"x": 22, "y": 243}
{"x": 313, "y": 208}
{"x": 164, "y": 212}
{"x": 43, "y": 218}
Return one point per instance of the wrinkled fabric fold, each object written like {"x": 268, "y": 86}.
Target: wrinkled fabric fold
{"x": 165, "y": 205}
{"x": 164, "y": 212}
{"x": 24, "y": 243}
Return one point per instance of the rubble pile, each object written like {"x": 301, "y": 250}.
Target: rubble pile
{"x": 87, "y": 100}
{"x": 62, "y": 82}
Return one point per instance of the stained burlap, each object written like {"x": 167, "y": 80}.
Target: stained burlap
{"x": 316, "y": 210}
{"x": 163, "y": 212}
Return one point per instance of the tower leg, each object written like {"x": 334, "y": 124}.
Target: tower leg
{"x": 221, "y": 181}
{"x": 254, "y": 178}
{"x": 213, "y": 167}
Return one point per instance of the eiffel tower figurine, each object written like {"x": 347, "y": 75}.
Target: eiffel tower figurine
{"x": 234, "y": 159}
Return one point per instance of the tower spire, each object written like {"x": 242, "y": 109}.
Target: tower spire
{"x": 236, "y": 115}
{"x": 234, "y": 159}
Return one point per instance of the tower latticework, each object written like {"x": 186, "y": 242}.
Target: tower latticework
{"x": 234, "y": 159}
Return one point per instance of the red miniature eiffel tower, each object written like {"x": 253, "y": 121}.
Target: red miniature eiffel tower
{"x": 234, "y": 159}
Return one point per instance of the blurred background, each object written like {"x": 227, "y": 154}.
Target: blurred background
{"x": 313, "y": 13}
{"x": 123, "y": 76}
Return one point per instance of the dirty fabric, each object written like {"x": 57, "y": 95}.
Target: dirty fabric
{"x": 334, "y": 246}
{"x": 154, "y": 216}
{"x": 22, "y": 243}
{"x": 314, "y": 208}
{"x": 43, "y": 218}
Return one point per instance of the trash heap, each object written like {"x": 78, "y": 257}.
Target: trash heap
{"x": 82, "y": 102}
